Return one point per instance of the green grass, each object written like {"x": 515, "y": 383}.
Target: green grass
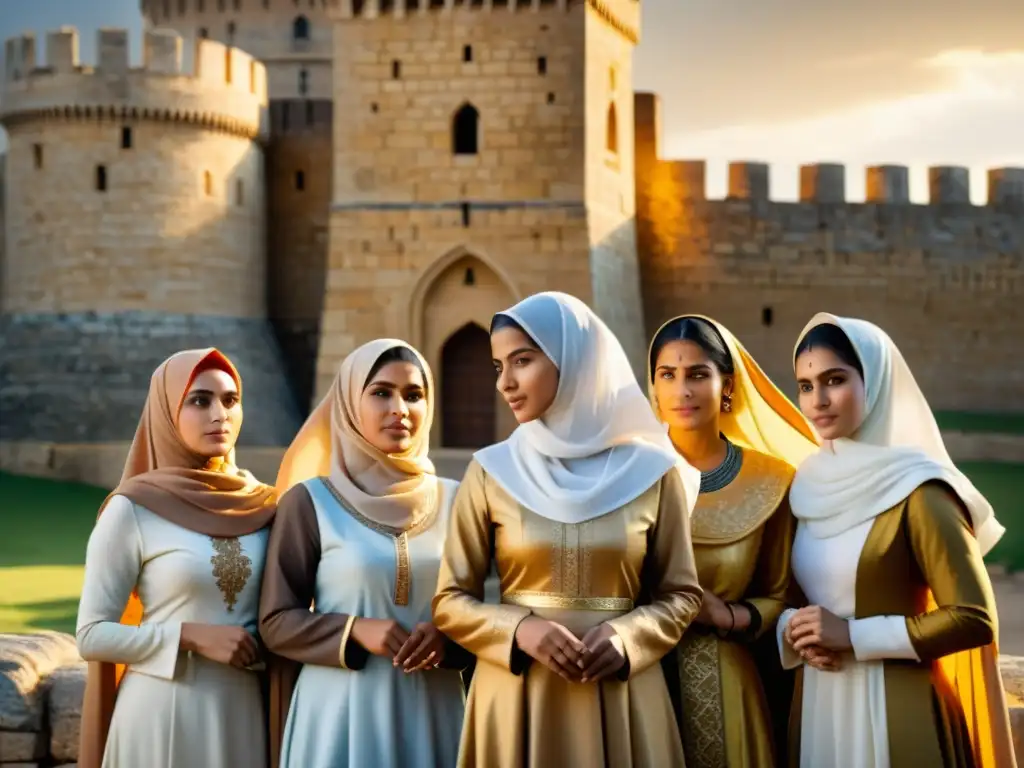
{"x": 46, "y": 525}
{"x": 962, "y": 421}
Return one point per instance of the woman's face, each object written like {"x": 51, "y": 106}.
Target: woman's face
{"x": 688, "y": 387}
{"x": 527, "y": 378}
{"x": 831, "y": 393}
{"x": 210, "y": 416}
{"x": 393, "y": 407}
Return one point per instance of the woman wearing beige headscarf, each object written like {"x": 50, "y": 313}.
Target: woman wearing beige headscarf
{"x": 168, "y": 614}
{"x": 888, "y": 552}
{"x": 359, "y": 536}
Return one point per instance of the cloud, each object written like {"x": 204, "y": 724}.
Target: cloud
{"x": 974, "y": 121}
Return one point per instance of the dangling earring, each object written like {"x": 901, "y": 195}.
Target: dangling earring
{"x": 726, "y": 403}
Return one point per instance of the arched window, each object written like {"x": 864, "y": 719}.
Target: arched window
{"x": 466, "y": 131}
{"x": 300, "y": 28}
{"x": 613, "y": 130}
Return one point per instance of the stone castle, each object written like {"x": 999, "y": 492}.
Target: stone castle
{"x": 330, "y": 171}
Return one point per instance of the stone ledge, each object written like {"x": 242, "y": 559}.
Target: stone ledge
{"x": 43, "y": 673}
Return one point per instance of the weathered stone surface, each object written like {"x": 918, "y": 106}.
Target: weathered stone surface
{"x": 67, "y": 689}
{"x": 20, "y": 746}
{"x": 1012, "y": 670}
{"x": 84, "y": 377}
{"x": 26, "y": 661}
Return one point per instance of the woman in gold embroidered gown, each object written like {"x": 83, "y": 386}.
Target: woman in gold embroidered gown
{"x": 172, "y": 578}
{"x": 358, "y": 537}
{"x": 585, "y": 511}
{"x": 727, "y": 419}
{"x": 888, "y": 551}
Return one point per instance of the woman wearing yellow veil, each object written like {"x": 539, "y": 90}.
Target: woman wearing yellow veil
{"x": 727, "y": 419}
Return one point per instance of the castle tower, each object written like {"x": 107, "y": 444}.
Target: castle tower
{"x": 483, "y": 152}
{"x": 292, "y": 38}
{"x": 135, "y": 209}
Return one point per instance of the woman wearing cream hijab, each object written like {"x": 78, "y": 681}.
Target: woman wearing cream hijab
{"x": 359, "y": 534}
{"x": 584, "y": 510}
{"x": 726, "y": 418}
{"x": 171, "y": 589}
{"x": 888, "y": 552}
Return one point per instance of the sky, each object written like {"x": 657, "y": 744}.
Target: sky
{"x": 787, "y": 82}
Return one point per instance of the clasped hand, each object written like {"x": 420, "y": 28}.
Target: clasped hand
{"x": 598, "y": 655}
{"x": 819, "y": 636}
{"x": 421, "y": 649}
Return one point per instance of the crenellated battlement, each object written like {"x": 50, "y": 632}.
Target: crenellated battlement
{"x": 623, "y": 15}
{"x": 825, "y": 183}
{"x": 224, "y": 89}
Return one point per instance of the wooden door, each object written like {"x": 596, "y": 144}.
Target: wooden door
{"x": 467, "y": 389}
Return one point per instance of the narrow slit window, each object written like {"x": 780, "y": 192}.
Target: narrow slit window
{"x": 37, "y": 156}
{"x": 126, "y": 137}
{"x": 101, "y": 178}
{"x": 300, "y": 180}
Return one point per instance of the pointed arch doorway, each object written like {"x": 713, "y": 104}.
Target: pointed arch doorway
{"x": 451, "y": 307}
{"x": 468, "y": 407}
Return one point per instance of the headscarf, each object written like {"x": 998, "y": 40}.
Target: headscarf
{"x": 166, "y": 477}
{"x": 395, "y": 490}
{"x": 762, "y": 418}
{"x": 598, "y": 446}
{"x": 896, "y": 449}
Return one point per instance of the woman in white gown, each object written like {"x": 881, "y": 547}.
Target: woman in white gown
{"x": 359, "y": 535}
{"x": 899, "y": 632}
{"x": 168, "y": 613}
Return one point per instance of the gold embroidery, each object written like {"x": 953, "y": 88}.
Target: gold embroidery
{"x": 734, "y": 512}
{"x": 542, "y": 600}
{"x": 700, "y": 685}
{"x": 586, "y": 538}
{"x": 400, "y": 537}
{"x": 557, "y": 550}
{"x": 571, "y": 574}
{"x": 232, "y": 569}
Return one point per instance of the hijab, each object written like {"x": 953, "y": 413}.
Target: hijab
{"x": 395, "y": 490}
{"x": 166, "y": 477}
{"x": 896, "y": 449}
{"x": 762, "y": 418}
{"x": 598, "y": 446}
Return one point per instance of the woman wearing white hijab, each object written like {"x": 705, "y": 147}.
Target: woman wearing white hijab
{"x": 899, "y": 636}
{"x": 359, "y": 534}
{"x": 585, "y": 512}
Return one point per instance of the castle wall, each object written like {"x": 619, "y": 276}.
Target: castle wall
{"x": 136, "y": 208}
{"x": 299, "y": 200}
{"x": 137, "y": 189}
{"x": 944, "y": 280}
{"x": 395, "y": 143}
{"x": 610, "y": 173}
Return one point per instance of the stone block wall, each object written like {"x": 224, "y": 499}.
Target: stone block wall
{"x": 84, "y": 377}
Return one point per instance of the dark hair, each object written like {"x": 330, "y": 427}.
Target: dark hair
{"x": 700, "y": 332}
{"x": 500, "y": 321}
{"x": 394, "y": 355}
{"x": 833, "y": 338}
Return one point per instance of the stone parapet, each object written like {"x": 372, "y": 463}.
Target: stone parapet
{"x": 227, "y": 89}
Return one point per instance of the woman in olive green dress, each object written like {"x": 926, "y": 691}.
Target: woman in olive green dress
{"x": 888, "y": 552}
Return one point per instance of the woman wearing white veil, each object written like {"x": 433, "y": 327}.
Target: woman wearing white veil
{"x": 585, "y": 512}
{"x": 888, "y": 553}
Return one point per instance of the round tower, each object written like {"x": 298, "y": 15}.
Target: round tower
{"x": 135, "y": 227}
{"x": 294, "y": 41}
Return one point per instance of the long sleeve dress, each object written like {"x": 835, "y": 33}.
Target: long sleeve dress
{"x": 348, "y": 707}
{"x": 173, "y": 709}
{"x": 914, "y": 585}
{"x": 632, "y": 567}
{"x": 742, "y": 534}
